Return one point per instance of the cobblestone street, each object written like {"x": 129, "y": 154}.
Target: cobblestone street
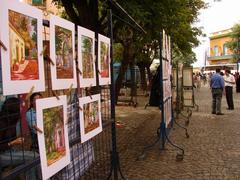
{"x": 211, "y": 152}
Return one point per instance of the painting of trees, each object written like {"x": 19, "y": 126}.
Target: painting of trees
{"x": 87, "y": 57}
{"x": 104, "y": 59}
{"x": 54, "y": 133}
{"x": 64, "y": 52}
{"x": 91, "y": 118}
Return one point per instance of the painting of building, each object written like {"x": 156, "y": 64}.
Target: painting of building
{"x": 23, "y": 47}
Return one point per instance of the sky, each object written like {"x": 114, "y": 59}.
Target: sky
{"x": 221, "y": 15}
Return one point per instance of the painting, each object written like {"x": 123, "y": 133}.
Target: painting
{"x": 62, "y": 53}
{"x": 168, "y": 112}
{"x": 188, "y": 77}
{"x": 53, "y": 141}
{"x": 86, "y": 57}
{"x": 21, "y": 33}
{"x": 90, "y": 117}
{"x": 188, "y": 98}
{"x": 104, "y": 60}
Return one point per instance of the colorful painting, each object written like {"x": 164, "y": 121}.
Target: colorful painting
{"x": 23, "y": 45}
{"x": 62, "y": 53}
{"x": 86, "y": 61}
{"x": 21, "y": 33}
{"x": 90, "y": 117}
{"x": 53, "y": 142}
{"x": 104, "y": 59}
{"x": 53, "y": 127}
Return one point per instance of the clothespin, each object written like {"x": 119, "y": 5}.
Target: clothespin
{"x": 43, "y": 51}
{"x": 80, "y": 108}
{"x": 55, "y": 95}
{"x": 3, "y": 46}
{"x": 89, "y": 92}
{"x": 37, "y": 129}
{"x": 79, "y": 71}
{"x": 49, "y": 60}
{"x": 70, "y": 89}
{"x": 29, "y": 93}
{"x": 98, "y": 71}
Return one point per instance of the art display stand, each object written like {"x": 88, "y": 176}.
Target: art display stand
{"x": 164, "y": 129}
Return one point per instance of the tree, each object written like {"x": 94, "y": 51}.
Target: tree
{"x": 175, "y": 16}
{"x": 234, "y": 45}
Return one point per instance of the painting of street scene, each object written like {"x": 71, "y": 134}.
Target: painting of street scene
{"x": 53, "y": 123}
{"x": 64, "y": 53}
{"x": 91, "y": 116}
{"x": 87, "y": 57}
{"x": 23, "y": 46}
{"x": 104, "y": 59}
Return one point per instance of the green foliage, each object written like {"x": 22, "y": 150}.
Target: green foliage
{"x": 234, "y": 44}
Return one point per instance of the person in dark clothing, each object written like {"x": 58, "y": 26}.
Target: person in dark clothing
{"x": 31, "y": 120}
{"x": 237, "y": 82}
{"x": 10, "y": 129}
{"x": 217, "y": 86}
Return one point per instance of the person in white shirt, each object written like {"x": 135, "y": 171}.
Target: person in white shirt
{"x": 229, "y": 83}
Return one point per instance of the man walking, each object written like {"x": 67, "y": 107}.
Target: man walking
{"x": 229, "y": 82}
{"x": 217, "y": 86}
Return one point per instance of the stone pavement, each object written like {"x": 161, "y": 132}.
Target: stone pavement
{"x": 211, "y": 152}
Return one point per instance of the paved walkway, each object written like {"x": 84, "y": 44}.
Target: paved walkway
{"x": 211, "y": 152}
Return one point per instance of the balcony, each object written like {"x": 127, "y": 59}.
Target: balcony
{"x": 223, "y": 57}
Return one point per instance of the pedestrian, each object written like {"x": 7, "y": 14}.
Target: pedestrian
{"x": 217, "y": 87}
{"x": 31, "y": 120}
{"x": 229, "y": 82}
{"x": 237, "y": 82}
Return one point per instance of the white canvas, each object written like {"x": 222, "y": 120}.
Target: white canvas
{"x": 89, "y": 126}
{"x": 187, "y": 77}
{"x": 58, "y": 79}
{"x": 104, "y": 74}
{"x": 17, "y": 74}
{"x": 64, "y": 160}
{"x": 86, "y": 80}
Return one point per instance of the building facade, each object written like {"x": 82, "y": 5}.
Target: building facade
{"x": 219, "y": 53}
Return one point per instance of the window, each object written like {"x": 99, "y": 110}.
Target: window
{"x": 225, "y": 49}
{"x": 216, "y": 51}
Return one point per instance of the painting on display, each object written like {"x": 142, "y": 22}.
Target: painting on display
{"x": 188, "y": 98}
{"x": 62, "y": 53}
{"x": 104, "y": 60}
{"x": 53, "y": 141}
{"x": 90, "y": 117}
{"x": 22, "y": 62}
{"x": 187, "y": 77}
{"x": 86, "y": 57}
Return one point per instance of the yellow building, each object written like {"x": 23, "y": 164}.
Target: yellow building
{"x": 219, "y": 53}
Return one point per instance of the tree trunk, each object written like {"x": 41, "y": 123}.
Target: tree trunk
{"x": 141, "y": 67}
{"x": 124, "y": 64}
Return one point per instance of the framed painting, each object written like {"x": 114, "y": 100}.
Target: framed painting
{"x": 188, "y": 77}
{"x": 53, "y": 142}
{"x": 86, "y": 57}
{"x": 90, "y": 117}
{"x": 104, "y": 60}
{"x": 188, "y": 98}
{"x": 62, "y": 53}
{"x": 22, "y": 62}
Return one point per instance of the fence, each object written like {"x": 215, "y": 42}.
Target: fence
{"x": 89, "y": 160}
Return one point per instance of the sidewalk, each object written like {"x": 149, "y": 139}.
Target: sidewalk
{"x": 211, "y": 152}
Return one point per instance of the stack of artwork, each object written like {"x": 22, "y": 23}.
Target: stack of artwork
{"x": 23, "y": 72}
{"x": 166, "y": 72}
